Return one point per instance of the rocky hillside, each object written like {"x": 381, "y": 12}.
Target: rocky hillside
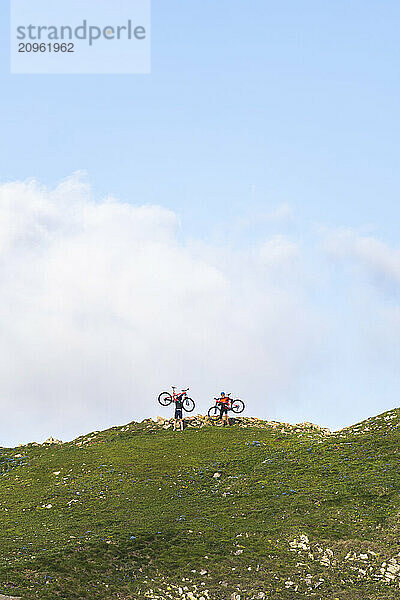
{"x": 259, "y": 510}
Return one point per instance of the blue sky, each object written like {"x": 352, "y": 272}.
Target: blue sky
{"x": 299, "y": 99}
{"x": 249, "y": 107}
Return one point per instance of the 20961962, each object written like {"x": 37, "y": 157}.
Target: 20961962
{"x": 43, "y": 47}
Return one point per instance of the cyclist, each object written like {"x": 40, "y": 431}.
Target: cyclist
{"x": 178, "y": 419}
{"x": 224, "y": 402}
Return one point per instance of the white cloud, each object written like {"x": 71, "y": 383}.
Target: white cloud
{"x": 278, "y": 214}
{"x": 101, "y": 307}
{"x": 373, "y": 254}
{"x": 281, "y": 212}
{"x": 279, "y": 250}
{"x": 372, "y": 299}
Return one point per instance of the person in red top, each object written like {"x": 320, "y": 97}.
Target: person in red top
{"x": 224, "y": 404}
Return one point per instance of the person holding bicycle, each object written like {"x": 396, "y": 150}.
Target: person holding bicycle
{"x": 224, "y": 404}
{"x": 181, "y": 401}
{"x": 178, "y": 419}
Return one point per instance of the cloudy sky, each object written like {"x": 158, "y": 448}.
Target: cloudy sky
{"x": 228, "y": 222}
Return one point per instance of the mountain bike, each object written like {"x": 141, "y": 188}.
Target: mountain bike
{"x": 237, "y": 406}
{"x": 165, "y": 399}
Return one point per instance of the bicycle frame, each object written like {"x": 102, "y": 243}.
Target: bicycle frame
{"x": 182, "y": 394}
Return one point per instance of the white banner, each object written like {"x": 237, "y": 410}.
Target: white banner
{"x": 80, "y": 36}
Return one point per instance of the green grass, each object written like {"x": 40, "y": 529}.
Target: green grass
{"x": 137, "y": 509}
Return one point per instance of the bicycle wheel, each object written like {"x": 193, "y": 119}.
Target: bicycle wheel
{"x": 237, "y": 406}
{"x": 165, "y": 398}
{"x": 188, "y": 404}
{"x": 214, "y": 413}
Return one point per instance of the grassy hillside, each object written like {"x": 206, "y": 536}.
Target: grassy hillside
{"x": 256, "y": 510}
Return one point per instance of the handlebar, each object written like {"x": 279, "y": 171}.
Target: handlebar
{"x": 187, "y": 389}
